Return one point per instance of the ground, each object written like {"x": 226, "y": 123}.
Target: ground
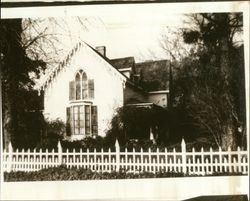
{"x": 220, "y": 198}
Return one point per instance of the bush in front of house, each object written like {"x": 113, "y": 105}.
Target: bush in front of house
{"x": 62, "y": 173}
{"x": 131, "y": 122}
{"x": 89, "y": 143}
{"x": 53, "y": 132}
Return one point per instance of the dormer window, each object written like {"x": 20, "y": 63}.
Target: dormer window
{"x": 81, "y": 88}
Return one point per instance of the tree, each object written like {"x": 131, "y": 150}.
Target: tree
{"x": 131, "y": 122}
{"x": 18, "y": 96}
{"x": 28, "y": 48}
{"x": 210, "y": 90}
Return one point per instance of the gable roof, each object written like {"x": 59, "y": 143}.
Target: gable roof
{"x": 154, "y": 74}
{"x": 53, "y": 74}
{"x": 126, "y": 62}
{"x": 150, "y": 65}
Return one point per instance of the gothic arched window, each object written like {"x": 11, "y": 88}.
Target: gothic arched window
{"x": 81, "y": 88}
{"x": 78, "y": 86}
{"x": 81, "y": 114}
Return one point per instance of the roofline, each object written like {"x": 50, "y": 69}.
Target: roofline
{"x": 129, "y": 82}
{"x": 159, "y": 92}
{"x": 124, "y": 69}
{"x": 149, "y": 104}
{"x": 123, "y": 58}
{"x": 107, "y": 60}
{"x": 150, "y": 61}
{"x": 78, "y": 45}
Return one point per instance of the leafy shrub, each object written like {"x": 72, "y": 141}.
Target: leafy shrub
{"x": 135, "y": 123}
{"x": 53, "y": 132}
{"x": 63, "y": 173}
{"x": 87, "y": 143}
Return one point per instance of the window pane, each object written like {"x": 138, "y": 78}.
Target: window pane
{"x": 81, "y": 131}
{"x": 81, "y": 124}
{"x": 81, "y": 109}
{"x": 87, "y": 119}
{"x": 85, "y": 89}
{"x": 78, "y": 86}
{"x": 78, "y": 119}
{"x": 75, "y": 109}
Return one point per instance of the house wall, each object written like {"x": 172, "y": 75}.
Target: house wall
{"x": 108, "y": 88}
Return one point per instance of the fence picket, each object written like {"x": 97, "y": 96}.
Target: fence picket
{"x": 201, "y": 162}
{"x": 229, "y": 160}
{"x": 239, "y": 159}
{"x": 244, "y": 165}
{"x": 211, "y": 161}
{"x": 220, "y": 159}
{"x": 174, "y": 160}
{"x": 109, "y": 159}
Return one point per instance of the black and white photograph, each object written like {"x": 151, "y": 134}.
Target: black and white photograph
{"x": 128, "y": 101}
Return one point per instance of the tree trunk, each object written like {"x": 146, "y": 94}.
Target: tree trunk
{"x": 12, "y": 59}
{"x": 228, "y": 133}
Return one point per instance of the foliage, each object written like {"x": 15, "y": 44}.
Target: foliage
{"x": 105, "y": 143}
{"x": 53, "y": 131}
{"x": 136, "y": 122}
{"x": 21, "y": 104}
{"x": 62, "y": 173}
{"x": 209, "y": 84}
{"x": 88, "y": 143}
{"x": 28, "y": 48}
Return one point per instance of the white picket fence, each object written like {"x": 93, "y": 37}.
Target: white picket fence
{"x": 194, "y": 162}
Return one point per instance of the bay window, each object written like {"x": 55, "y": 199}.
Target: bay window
{"x": 81, "y": 113}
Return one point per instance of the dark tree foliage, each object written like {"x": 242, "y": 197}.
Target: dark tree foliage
{"x": 135, "y": 123}
{"x": 209, "y": 85}
{"x": 21, "y": 104}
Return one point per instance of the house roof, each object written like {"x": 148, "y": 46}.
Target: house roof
{"x": 150, "y": 65}
{"x": 126, "y": 62}
{"x": 154, "y": 74}
{"x": 50, "y": 77}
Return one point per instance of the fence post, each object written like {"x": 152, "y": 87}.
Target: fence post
{"x": 184, "y": 157}
{"x": 59, "y": 147}
{"x": 10, "y": 149}
{"x": 117, "y": 152}
{"x": 152, "y": 136}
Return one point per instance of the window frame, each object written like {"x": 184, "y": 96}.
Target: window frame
{"x": 82, "y": 90}
{"x": 73, "y": 123}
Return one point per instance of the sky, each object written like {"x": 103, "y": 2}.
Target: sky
{"x": 125, "y": 29}
{"x": 135, "y": 33}
{"x": 132, "y": 35}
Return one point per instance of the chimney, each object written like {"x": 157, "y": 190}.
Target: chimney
{"x": 101, "y": 50}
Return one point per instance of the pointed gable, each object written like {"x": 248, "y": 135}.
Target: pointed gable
{"x": 48, "y": 80}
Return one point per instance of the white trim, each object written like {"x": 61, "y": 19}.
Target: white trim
{"x": 140, "y": 104}
{"x": 111, "y": 67}
{"x": 159, "y": 92}
{"x": 77, "y": 48}
{"x": 125, "y": 69}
